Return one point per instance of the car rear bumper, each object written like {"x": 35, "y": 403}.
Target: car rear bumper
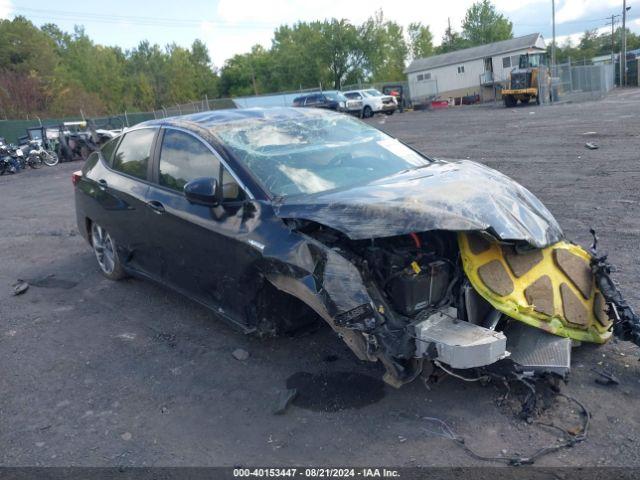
{"x": 388, "y": 107}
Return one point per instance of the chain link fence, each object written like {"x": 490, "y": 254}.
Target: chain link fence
{"x": 12, "y": 130}
{"x": 564, "y": 82}
{"x": 577, "y": 83}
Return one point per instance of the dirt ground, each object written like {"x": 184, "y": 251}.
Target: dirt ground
{"x": 97, "y": 373}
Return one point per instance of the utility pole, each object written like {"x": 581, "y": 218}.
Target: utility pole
{"x": 623, "y": 60}
{"x": 449, "y": 32}
{"x": 613, "y": 43}
{"x": 553, "y": 42}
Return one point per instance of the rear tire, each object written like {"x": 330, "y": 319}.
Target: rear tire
{"x": 50, "y": 158}
{"x": 35, "y": 162}
{"x": 104, "y": 247}
{"x": 525, "y": 101}
{"x": 84, "y": 152}
{"x": 66, "y": 154}
{"x": 367, "y": 112}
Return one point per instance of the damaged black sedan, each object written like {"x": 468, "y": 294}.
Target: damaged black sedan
{"x": 276, "y": 218}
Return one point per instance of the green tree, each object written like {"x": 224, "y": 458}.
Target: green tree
{"x": 483, "y": 24}
{"x": 206, "y": 78}
{"x": 420, "y": 40}
{"x": 25, "y": 48}
{"x": 180, "y": 74}
{"x": 380, "y": 52}
{"x": 451, "y": 40}
{"x": 339, "y": 40}
{"x": 295, "y": 59}
{"x": 148, "y": 62}
{"x": 247, "y": 74}
{"x": 28, "y": 61}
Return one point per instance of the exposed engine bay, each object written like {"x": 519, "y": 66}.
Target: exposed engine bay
{"x": 466, "y": 300}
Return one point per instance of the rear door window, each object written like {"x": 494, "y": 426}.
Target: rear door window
{"x": 312, "y": 100}
{"x": 132, "y": 156}
{"x": 184, "y": 158}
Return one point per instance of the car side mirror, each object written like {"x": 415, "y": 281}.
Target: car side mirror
{"x": 202, "y": 191}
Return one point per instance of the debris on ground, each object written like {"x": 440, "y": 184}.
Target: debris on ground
{"x": 572, "y": 436}
{"x": 240, "y": 354}
{"x": 51, "y": 281}
{"x": 284, "y": 400}
{"x": 605, "y": 378}
{"x": 20, "y": 287}
{"x": 591, "y": 146}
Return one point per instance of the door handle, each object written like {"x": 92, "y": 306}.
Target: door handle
{"x": 102, "y": 184}
{"x": 156, "y": 206}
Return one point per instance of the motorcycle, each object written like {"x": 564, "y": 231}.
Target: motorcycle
{"x": 8, "y": 162}
{"x": 23, "y": 162}
{"x": 38, "y": 155}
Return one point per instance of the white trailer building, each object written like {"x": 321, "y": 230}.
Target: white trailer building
{"x": 472, "y": 71}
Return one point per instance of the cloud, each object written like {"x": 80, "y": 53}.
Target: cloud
{"x": 6, "y": 8}
{"x": 288, "y": 11}
{"x": 237, "y": 25}
{"x": 574, "y": 38}
{"x": 573, "y": 10}
{"x": 224, "y": 42}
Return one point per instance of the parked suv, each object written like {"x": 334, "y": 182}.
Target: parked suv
{"x": 373, "y": 101}
{"x": 331, "y": 100}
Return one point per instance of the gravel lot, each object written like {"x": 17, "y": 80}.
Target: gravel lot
{"x": 128, "y": 373}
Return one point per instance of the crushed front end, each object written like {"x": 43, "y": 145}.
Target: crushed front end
{"x": 466, "y": 300}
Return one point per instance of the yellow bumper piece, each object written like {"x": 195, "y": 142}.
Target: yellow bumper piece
{"x": 552, "y": 288}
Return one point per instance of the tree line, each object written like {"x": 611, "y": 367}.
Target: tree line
{"x": 48, "y": 72}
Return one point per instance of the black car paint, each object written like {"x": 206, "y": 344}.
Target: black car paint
{"x": 454, "y": 196}
{"x": 217, "y": 256}
{"x": 324, "y": 102}
{"x": 224, "y": 256}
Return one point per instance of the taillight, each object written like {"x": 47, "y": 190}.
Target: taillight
{"x": 75, "y": 177}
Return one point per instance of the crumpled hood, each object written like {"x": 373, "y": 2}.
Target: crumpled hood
{"x": 456, "y": 196}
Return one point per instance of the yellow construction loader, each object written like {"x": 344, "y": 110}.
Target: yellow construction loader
{"x": 530, "y": 81}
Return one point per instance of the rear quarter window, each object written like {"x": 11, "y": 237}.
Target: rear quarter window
{"x": 108, "y": 149}
{"x": 91, "y": 161}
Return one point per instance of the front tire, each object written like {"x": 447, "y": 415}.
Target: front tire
{"x": 367, "y": 112}
{"x": 104, "y": 247}
{"x": 509, "y": 101}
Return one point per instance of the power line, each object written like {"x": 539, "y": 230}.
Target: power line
{"x": 138, "y": 20}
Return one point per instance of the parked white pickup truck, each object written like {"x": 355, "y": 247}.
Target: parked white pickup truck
{"x": 373, "y": 101}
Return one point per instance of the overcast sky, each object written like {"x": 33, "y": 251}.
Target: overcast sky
{"x": 233, "y": 26}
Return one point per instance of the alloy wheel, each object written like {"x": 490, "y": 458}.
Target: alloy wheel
{"x": 104, "y": 249}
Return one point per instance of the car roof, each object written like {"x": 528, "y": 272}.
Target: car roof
{"x": 211, "y": 119}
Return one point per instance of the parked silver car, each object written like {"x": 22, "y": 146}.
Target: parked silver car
{"x": 373, "y": 101}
